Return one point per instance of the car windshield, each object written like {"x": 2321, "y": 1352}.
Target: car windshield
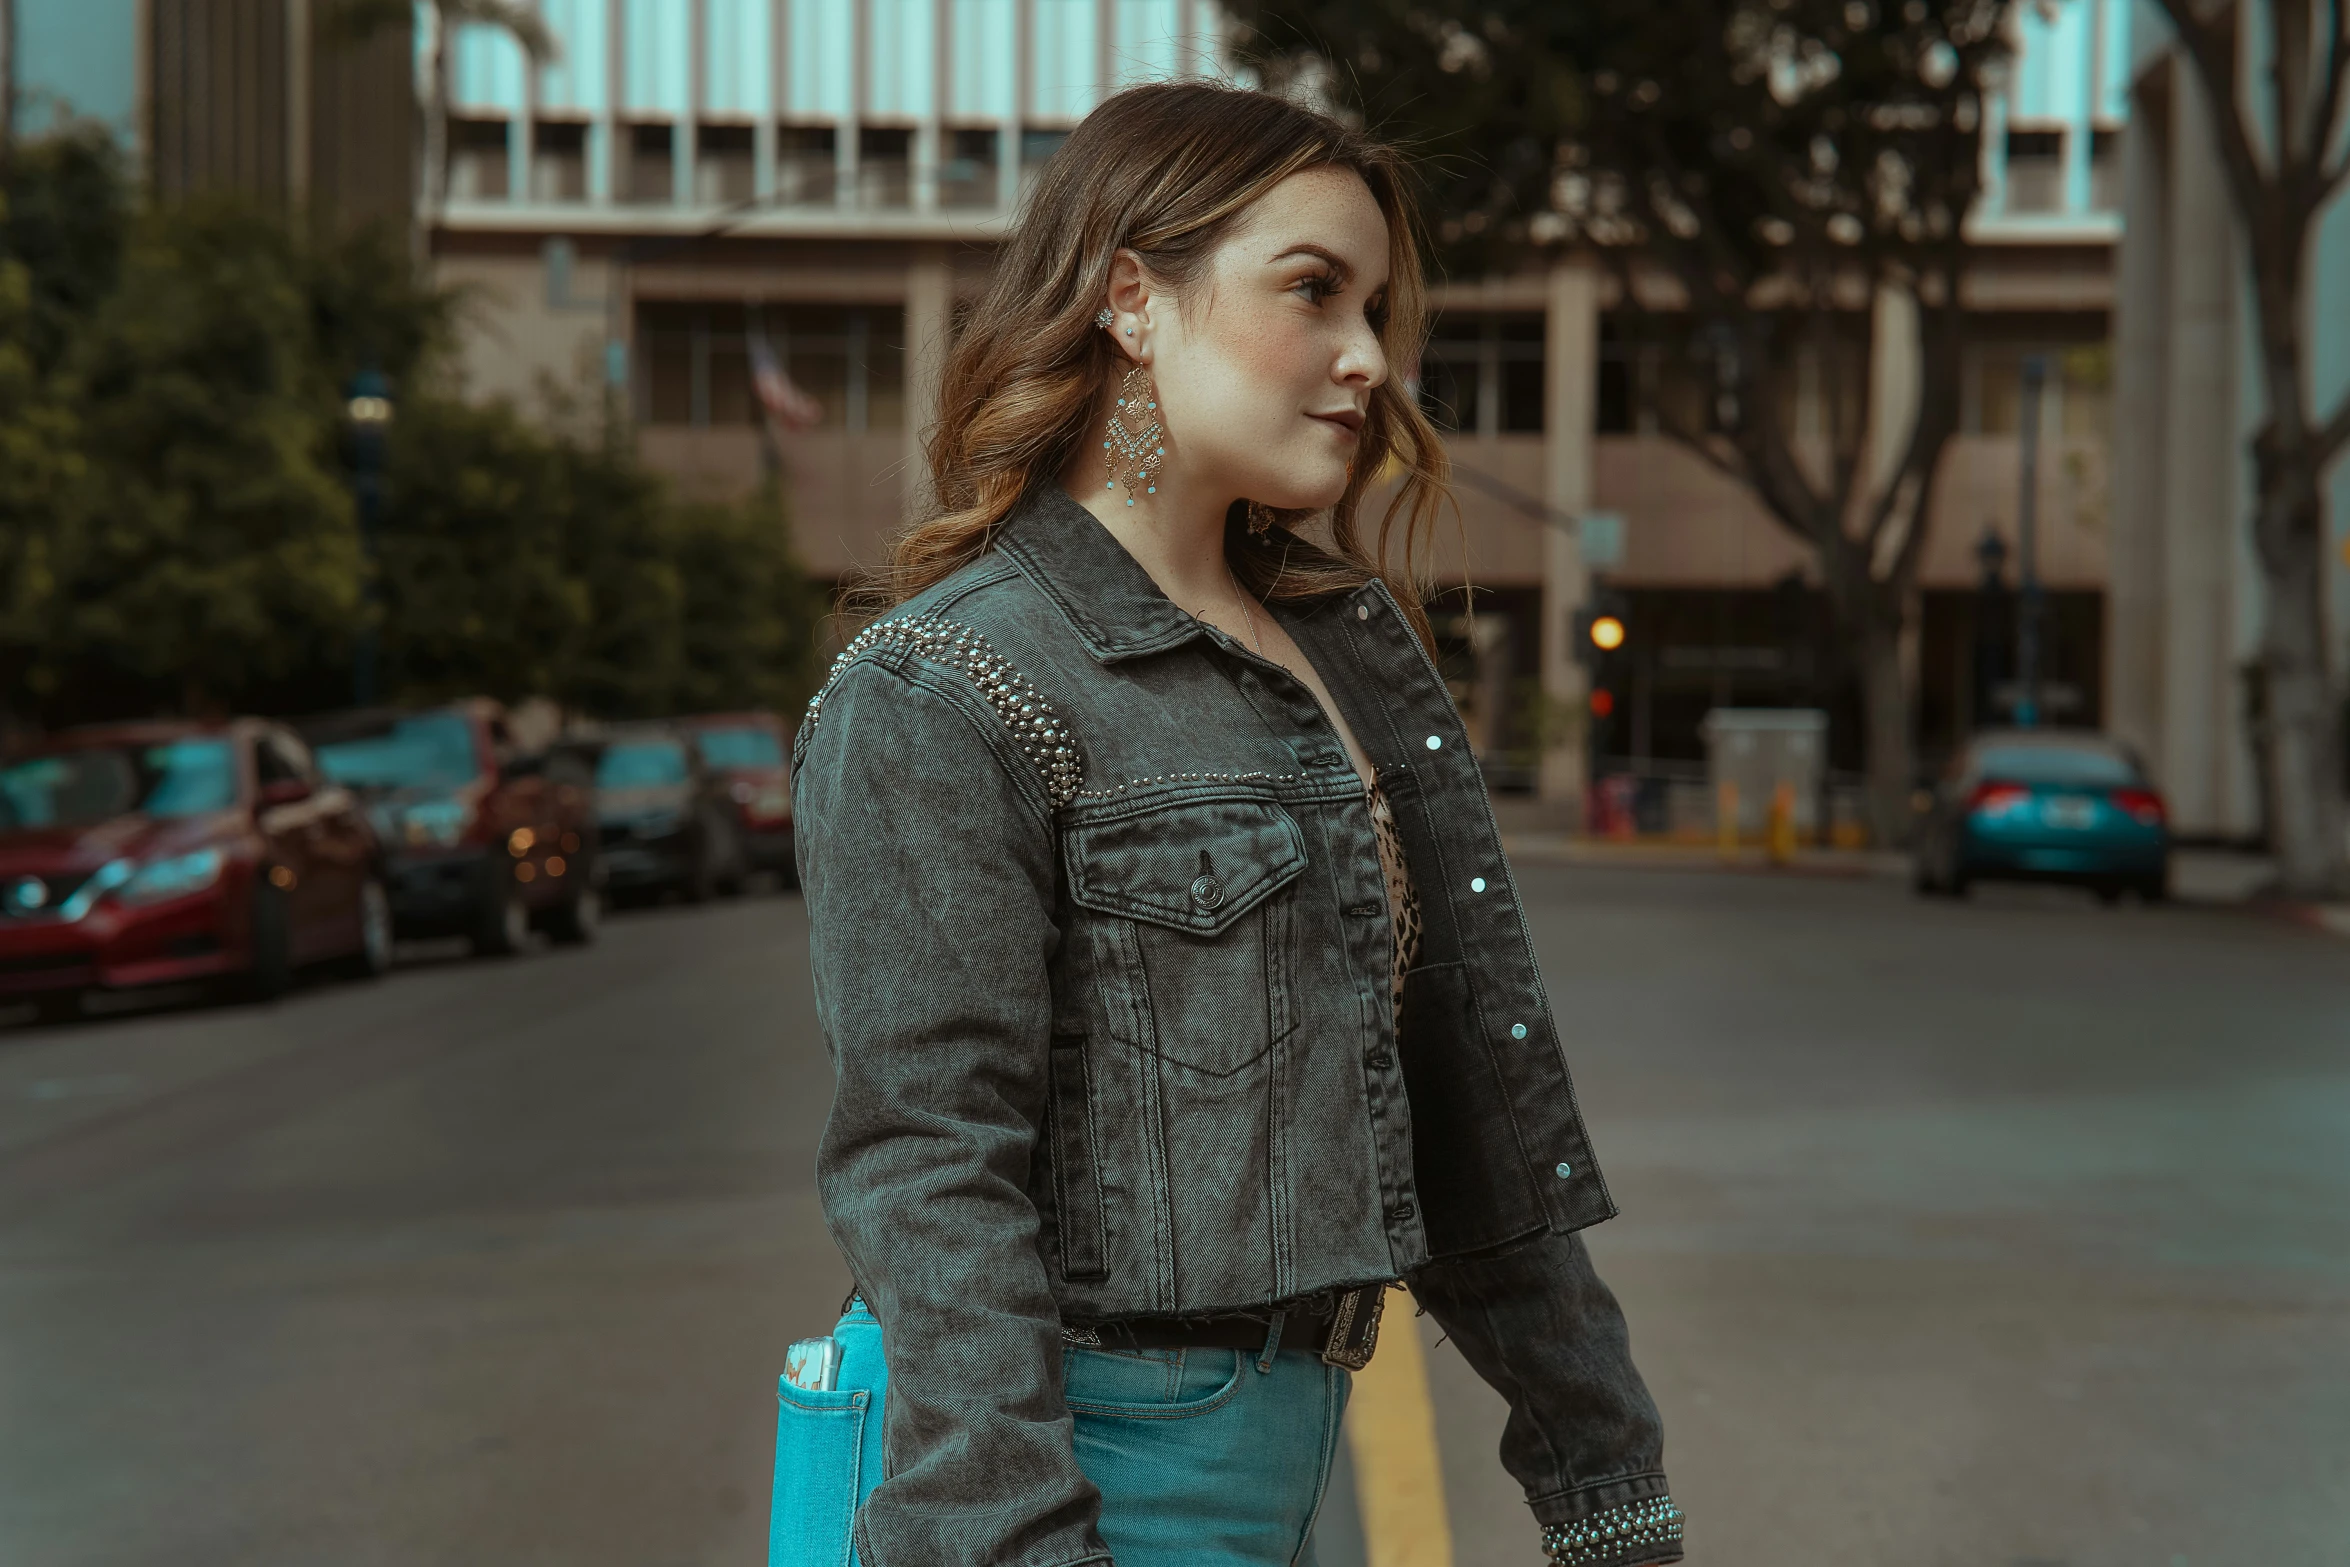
{"x": 641, "y": 764}
{"x": 79, "y": 787}
{"x": 429, "y": 751}
{"x": 744, "y": 747}
{"x": 2089, "y": 765}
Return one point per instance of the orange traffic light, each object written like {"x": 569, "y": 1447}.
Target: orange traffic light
{"x": 1607, "y": 633}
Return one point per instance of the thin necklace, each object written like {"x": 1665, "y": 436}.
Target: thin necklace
{"x": 1248, "y": 613}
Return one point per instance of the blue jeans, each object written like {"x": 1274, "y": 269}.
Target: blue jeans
{"x": 1202, "y": 1460}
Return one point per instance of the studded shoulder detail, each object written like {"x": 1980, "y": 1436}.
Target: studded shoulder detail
{"x": 1041, "y": 733}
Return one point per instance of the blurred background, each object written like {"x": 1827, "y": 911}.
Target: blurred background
{"x": 1898, "y": 595}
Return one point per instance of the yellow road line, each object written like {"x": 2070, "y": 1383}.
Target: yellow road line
{"x": 1391, "y": 1435}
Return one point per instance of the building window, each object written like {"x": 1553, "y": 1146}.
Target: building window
{"x": 724, "y": 164}
{"x": 477, "y": 160}
{"x": 967, "y": 176}
{"x": 2035, "y": 171}
{"x": 1616, "y": 410}
{"x": 806, "y": 165}
{"x": 885, "y": 166}
{"x": 1483, "y": 374}
{"x": 696, "y": 365}
{"x": 649, "y": 173}
{"x": 2076, "y": 396}
{"x": 2105, "y": 171}
{"x": 558, "y": 161}
{"x": 1035, "y": 147}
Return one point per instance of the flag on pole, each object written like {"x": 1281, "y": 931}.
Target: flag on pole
{"x": 785, "y": 405}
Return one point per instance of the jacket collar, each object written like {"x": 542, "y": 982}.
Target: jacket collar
{"x": 1109, "y": 600}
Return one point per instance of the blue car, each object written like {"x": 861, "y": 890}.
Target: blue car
{"x": 2046, "y": 805}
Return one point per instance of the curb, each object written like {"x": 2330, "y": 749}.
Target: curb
{"x": 2329, "y": 919}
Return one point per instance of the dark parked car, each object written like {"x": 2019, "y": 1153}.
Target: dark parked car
{"x": 668, "y": 821}
{"x": 482, "y": 838}
{"x": 2046, "y": 805}
{"x": 149, "y": 854}
{"x": 748, "y": 753}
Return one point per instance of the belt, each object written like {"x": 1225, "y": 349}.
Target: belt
{"x": 1343, "y": 1334}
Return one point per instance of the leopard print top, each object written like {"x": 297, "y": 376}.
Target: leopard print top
{"x": 1403, "y": 899}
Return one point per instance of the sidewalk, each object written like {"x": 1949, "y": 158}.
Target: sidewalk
{"x": 2205, "y": 878}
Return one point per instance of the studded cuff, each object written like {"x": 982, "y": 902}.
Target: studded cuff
{"x": 1635, "y": 1534}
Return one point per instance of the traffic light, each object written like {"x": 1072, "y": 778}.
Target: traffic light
{"x": 1600, "y": 627}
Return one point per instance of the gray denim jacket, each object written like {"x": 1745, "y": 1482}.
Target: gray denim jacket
{"x": 1102, "y": 956}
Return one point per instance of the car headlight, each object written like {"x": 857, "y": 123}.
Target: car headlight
{"x": 102, "y": 881}
{"x": 440, "y": 822}
{"x": 176, "y": 877}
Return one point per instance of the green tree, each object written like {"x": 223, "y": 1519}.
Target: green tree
{"x": 1772, "y": 182}
{"x": 518, "y": 560}
{"x": 176, "y": 524}
{"x": 479, "y": 590}
{"x": 41, "y": 475}
{"x": 751, "y": 615}
{"x": 66, "y": 220}
{"x": 218, "y": 560}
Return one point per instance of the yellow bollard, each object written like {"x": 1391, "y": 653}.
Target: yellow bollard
{"x": 1726, "y": 818}
{"x": 1782, "y": 824}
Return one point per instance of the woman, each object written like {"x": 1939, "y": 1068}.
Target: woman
{"x": 1178, "y": 995}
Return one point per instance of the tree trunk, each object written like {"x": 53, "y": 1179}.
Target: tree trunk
{"x": 1885, "y": 705}
{"x": 2303, "y": 732}
{"x": 435, "y": 172}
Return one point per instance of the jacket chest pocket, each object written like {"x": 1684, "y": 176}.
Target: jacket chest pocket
{"x": 1193, "y": 926}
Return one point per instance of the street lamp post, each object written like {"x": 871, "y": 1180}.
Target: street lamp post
{"x": 2027, "y": 627}
{"x": 1991, "y": 553}
{"x": 368, "y": 414}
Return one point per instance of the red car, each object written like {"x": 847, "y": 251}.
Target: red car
{"x": 750, "y": 751}
{"x": 484, "y": 838}
{"x": 144, "y": 854}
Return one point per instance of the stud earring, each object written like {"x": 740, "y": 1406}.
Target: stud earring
{"x": 1134, "y": 440}
{"x": 1103, "y": 318}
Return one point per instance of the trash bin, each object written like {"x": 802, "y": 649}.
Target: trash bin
{"x": 1754, "y": 750}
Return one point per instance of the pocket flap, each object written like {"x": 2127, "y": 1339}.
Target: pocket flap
{"x": 1194, "y": 867}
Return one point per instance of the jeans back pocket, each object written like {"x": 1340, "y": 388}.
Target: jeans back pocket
{"x": 828, "y": 1453}
{"x": 819, "y": 1453}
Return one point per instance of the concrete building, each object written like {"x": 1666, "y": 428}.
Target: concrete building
{"x": 265, "y": 97}
{"x": 863, "y": 157}
{"x": 2187, "y": 594}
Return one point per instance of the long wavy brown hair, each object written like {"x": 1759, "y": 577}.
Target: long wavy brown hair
{"x": 1166, "y": 170}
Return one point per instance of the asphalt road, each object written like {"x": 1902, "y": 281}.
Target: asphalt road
{"x": 2006, "y": 1234}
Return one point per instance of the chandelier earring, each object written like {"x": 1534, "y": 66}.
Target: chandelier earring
{"x": 1260, "y": 519}
{"x": 1135, "y": 440}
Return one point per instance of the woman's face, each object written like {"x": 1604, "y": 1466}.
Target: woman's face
{"x": 1265, "y": 368}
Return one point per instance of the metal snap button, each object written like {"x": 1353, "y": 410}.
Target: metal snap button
{"x": 1476, "y": 884}
{"x": 1436, "y": 742}
{"x": 1206, "y": 891}
{"x": 1517, "y": 1031}
{"x": 1565, "y": 1170}
{"x": 1362, "y": 612}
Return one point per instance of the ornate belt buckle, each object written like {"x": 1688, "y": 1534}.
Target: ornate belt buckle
{"x": 1354, "y": 1328}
